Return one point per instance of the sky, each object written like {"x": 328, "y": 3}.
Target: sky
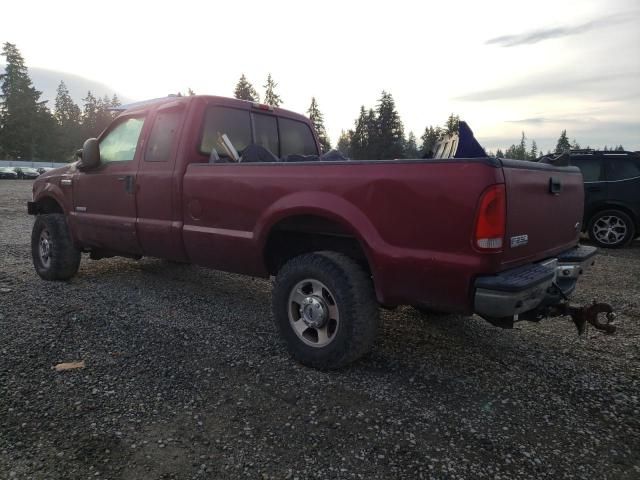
{"x": 503, "y": 66}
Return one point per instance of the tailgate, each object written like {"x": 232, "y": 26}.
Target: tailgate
{"x": 545, "y": 204}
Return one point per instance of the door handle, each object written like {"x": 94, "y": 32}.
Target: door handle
{"x": 128, "y": 183}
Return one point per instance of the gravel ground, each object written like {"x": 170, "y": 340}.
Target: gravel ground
{"x": 185, "y": 377}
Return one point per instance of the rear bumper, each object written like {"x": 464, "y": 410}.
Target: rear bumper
{"x": 522, "y": 289}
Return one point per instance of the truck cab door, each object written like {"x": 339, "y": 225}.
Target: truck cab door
{"x": 104, "y": 198}
{"x": 159, "y": 214}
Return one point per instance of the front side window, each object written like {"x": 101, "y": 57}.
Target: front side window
{"x": 296, "y": 138}
{"x": 622, "y": 168}
{"x": 219, "y": 121}
{"x": 164, "y": 135}
{"x": 591, "y": 168}
{"x": 266, "y": 132}
{"x": 120, "y": 143}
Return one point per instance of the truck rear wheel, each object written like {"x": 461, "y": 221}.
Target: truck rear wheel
{"x": 325, "y": 308}
{"x": 54, "y": 255}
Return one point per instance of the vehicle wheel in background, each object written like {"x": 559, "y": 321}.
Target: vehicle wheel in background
{"x": 54, "y": 255}
{"x": 611, "y": 229}
{"x": 325, "y": 308}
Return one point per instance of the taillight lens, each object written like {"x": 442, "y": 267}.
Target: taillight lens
{"x": 491, "y": 219}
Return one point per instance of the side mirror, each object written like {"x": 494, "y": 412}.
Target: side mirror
{"x": 90, "y": 154}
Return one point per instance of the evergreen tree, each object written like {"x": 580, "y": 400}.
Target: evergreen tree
{"x": 115, "y": 101}
{"x": 533, "y": 154}
{"x": 24, "y": 119}
{"x": 575, "y": 145}
{"x": 344, "y": 143}
{"x": 619, "y": 148}
{"x": 452, "y": 125}
{"x": 359, "y": 137}
{"x": 190, "y": 92}
{"x": 317, "y": 120}
{"x": 499, "y": 153}
{"x": 245, "y": 91}
{"x": 563, "y": 144}
{"x": 389, "y": 143}
{"x": 429, "y": 138}
{"x": 518, "y": 152}
{"x": 90, "y": 113}
{"x": 68, "y": 117}
{"x": 270, "y": 96}
{"x": 411, "y": 147}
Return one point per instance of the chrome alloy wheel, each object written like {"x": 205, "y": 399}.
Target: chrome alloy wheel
{"x": 313, "y": 313}
{"x": 610, "y": 230}
{"x": 44, "y": 248}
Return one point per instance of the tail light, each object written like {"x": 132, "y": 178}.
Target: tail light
{"x": 491, "y": 219}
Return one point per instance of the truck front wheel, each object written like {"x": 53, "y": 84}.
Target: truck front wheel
{"x": 54, "y": 255}
{"x": 325, "y": 308}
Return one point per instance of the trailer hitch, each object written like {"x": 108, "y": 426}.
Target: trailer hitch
{"x": 583, "y": 315}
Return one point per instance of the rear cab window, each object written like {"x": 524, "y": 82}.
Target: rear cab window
{"x": 281, "y": 136}
{"x": 163, "y": 138}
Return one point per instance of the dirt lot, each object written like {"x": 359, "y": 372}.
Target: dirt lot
{"x": 185, "y": 377}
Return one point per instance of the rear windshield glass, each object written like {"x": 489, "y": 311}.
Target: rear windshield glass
{"x": 266, "y": 132}
{"x": 296, "y": 138}
{"x": 219, "y": 121}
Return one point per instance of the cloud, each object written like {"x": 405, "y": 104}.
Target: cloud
{"x": 541, "y": 34}
{"x": 560, "y": 83}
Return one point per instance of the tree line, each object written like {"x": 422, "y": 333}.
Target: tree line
{"x": 31, "y": 130}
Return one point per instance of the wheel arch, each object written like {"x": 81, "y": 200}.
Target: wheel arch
{"x": 612, "y": 206}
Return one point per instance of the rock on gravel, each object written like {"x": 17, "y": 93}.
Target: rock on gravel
{"x": 185, "y": 377}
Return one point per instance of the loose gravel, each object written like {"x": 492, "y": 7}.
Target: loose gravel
{"x": 185, "y": 377}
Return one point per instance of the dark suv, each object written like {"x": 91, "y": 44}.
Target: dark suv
{"x": 612, "y": 195}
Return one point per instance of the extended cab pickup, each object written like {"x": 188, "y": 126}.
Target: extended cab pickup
{"x": 242, "y": 187}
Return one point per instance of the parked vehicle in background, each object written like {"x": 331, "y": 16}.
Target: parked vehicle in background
{"x": 242, "y": 187}
{"x": 9, "y": 173}
{"x": 42, "y": 170}
{"x": 27, "y": 173}
{"x": 612, "y": 195}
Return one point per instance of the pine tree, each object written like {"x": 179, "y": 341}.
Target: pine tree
{"x": 429, "y": 139}
{"x": 270, "y": 96}
{"x": 359, "y": 137}
{"x": 245, "y": 91}
{"x": 533, "y": 154}
{"x": 90, "y": 114}
{"x": 563, "y": 144}
{"x": 499, "y": 153}
{"x": 115, "y": 101}
{"x": 411, "y": 147}
{"x": 317, "y": 119}
{"x": 452, "y": 125}
{"x": 190, "y": 92}
{"x": 24, "y": 119}
{"x": 344, "y": 143}
{"x": 575, "y": 145}
{"x": 389, "y": 143}
{"x": 68, "y": 116}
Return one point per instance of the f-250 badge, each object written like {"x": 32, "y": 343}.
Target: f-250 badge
{"x": 519, "y": 240}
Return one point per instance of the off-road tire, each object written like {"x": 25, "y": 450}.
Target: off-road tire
{"x": 351, "y": 287}
{"x": 64, "y": 257}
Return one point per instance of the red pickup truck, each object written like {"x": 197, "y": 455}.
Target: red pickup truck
{"x": 243, "y": 187}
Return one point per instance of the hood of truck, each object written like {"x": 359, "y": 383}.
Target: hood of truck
{"x": 544, "y": 210}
